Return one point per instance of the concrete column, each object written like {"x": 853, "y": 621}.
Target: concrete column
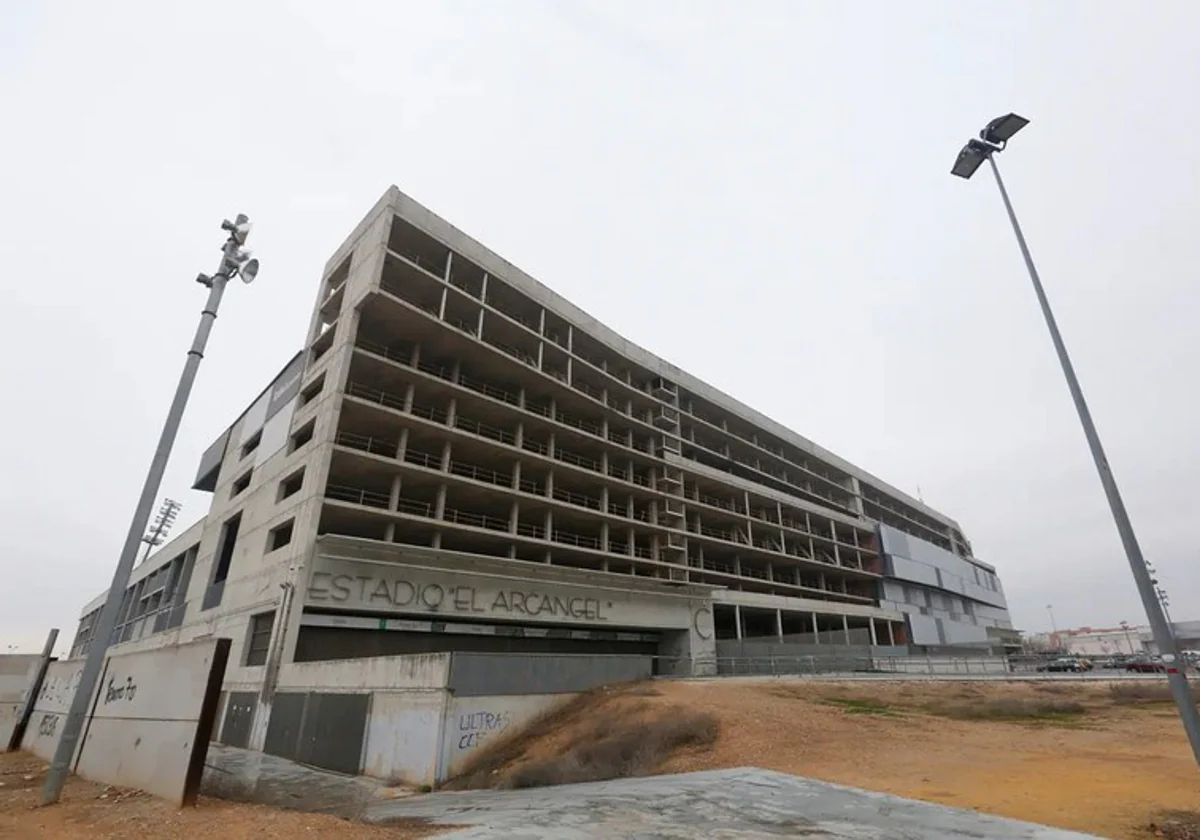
{"x": 874, "y": 638}
{"x": 541, "y": 357}
{"x": 514, "y": 517}
{"x": 549, "y": 525}
{"x": 833, "y": 532}
{"x": 521, "y": 398}
{"x": 604, "y": 499}
{"x": 451, "y": 412}
{"x": 779, "y": 624}
{"x": 439, "y": 506}
{"x": 455, "y": 371}
{"x": 541, "y": 322}
{"x": 550, "y": 447}
{"x": 416, "y": 355}
{"x": 891, "y": 634}
{"x": 436, "y": 542}
{"x": 570, "y": 338}
{"x": 630, "y": 537}
{"x": 442, "y": 304}
{"x": 516, "y": 482}
{"x": 816, "y": 630}
{"x": 737, "y": 621}
{"x": 479, "y": 326}
{"x": 409, "y": 394}
{"x": 446, "y": 456}
{"x": 846, "y": 629}
{"x": 519, "y": 435}
{"x": 604, "y": 538}
{"x": 394, "y": 496}
{"x": 550, "y": 484}
{"x": 402, "y": 446}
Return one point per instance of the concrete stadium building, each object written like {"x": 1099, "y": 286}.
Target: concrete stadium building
{"x": 461, "y": 460}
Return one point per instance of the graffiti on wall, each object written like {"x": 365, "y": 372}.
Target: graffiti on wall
{"x": 476, "y": 727}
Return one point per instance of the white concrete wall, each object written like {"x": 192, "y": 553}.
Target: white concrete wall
{"x": 404, "y": 735}
{"x": 143, "y": 729}
{"x": 51, "y": 707}
{"x": 471, "y": 722}
{"x": 17, "y": 674}
{"x": 408, "y": 671}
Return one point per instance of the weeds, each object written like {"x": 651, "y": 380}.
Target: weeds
{"x": 1015, "y": 709}
{"x": 1142, "y": 693}
{"x": 859, "y": 706}
{"x": 613, "y": 748}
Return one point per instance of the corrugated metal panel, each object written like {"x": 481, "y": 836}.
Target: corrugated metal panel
{"x": 283, "y": 729}
{"x": 333, "y": 732}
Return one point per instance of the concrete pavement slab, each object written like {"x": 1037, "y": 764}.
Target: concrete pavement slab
{"x": 739, "y": 804}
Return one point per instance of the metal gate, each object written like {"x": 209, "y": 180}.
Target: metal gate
{"x": 239, "y": 716}
{"x": 320, "y": 730}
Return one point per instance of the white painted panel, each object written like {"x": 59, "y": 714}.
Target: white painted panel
{"x": 254, "y": 418}
{"x": 143, "y": 726}
{"x": 924, "y": 630}
{"x": 918, "y": 572}
{"x": 274, "y": 433}
{"x": 402, "y": 736}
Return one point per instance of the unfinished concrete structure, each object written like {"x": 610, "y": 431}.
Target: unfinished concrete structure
{"x": 461, "y": 460}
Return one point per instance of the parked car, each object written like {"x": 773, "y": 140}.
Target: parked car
{"x": 1073, "y": 666}
{"x": 1146, "y": 666}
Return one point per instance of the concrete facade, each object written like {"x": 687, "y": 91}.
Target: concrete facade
{"x": 461, "y": 460}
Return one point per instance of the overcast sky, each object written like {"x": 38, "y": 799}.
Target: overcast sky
{"x": 757, "y": 191}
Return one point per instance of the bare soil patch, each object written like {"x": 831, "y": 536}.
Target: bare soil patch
{"x": 1105, "y": 759}
{"x": 95, "y": 812}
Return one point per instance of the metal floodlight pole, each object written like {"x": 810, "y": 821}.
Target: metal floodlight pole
{"x": 234, "y": 261}
{"x": 994, "y": 138}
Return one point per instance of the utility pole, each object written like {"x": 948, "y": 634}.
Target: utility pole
{"x": 992, "y": 140}
{"x": 235, "y": 262}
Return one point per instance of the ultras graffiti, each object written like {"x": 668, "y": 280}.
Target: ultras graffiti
{"x": 58, "y": 689}
{"x": 475, "y": 727}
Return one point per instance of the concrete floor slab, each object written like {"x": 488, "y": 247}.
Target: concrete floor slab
{"x": 746, "y": 804}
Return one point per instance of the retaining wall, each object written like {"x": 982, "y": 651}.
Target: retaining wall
{"x": 150, "y": 718}
{"x": 18, "y": 673}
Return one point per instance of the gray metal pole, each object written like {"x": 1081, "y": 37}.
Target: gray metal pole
{"x": 60, "y": 767}
{"x": 1133, "y": 552}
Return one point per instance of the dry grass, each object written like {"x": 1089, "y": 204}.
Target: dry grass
{"x": 1014, "y": 709}
{"x": 1176, "y": 825}
{"x": 612, "y": 748}
{"x": 606, "y": 733}
{"x": 1140, "y": 693}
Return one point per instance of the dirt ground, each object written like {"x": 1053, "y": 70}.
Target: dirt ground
{"x": 94, "y": 812}
{"x": 1070, "y": 755}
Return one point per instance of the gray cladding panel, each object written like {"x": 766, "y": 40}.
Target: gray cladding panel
{"x": 484, "y": 675}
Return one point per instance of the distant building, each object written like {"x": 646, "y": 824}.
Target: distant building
{"x": 1099, "y": 641}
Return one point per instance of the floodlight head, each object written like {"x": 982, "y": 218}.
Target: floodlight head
{"x": 238, "y": 229}
{"x": 248, "y": 271}
{"x": 970, "y": 158}
{"x": 1000, "y": 130}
